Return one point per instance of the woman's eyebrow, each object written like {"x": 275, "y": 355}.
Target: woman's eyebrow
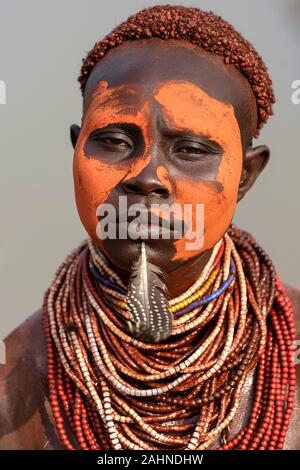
{"x": 115, "y": 125}
{"x": 120, "y": 106}
{"x": 172, "y": 132}
{"x": 127, "y": 98}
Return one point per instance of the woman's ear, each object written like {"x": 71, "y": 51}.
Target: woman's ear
{"x": 74, "y": 133}
{"x": 255, "y": 160}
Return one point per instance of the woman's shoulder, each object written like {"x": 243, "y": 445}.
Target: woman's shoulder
{"x": 25, "y": 347}
{"x": 22, "y": 385}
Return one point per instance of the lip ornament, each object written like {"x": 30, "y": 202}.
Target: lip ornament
{"x": 147, "y": 301}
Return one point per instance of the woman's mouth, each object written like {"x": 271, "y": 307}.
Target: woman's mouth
{"x": 135, "y": 230}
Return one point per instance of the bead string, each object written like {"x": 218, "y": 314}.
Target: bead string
{"x": 117, "y": 392}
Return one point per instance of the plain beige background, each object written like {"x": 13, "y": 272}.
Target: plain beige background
{"x": 41, "y": 47}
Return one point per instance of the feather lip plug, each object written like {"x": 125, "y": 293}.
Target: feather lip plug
{"x": 147, "y": 301}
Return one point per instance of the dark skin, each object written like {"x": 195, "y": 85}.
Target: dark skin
{"x": 159, "y": 62}
{"x": 25, "y": 417}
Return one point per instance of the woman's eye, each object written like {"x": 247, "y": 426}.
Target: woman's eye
{"x": 192, "y": 150}
{"x": 115, "y": 145}
{"x": 115, "y": 142}
{"x": 112, "y": 141}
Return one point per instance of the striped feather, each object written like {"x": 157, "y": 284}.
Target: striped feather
{"x": 147, "y": 301}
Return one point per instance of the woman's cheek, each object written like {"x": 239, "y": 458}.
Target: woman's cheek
{"x": 93, "y": 182}
{"x": 218, "y": 212}
{"x": 218, "y": 209}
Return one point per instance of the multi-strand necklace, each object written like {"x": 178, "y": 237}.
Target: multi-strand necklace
{"x": 110, "y": 390}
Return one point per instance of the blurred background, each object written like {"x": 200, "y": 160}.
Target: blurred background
{"x": 41, "y": 47}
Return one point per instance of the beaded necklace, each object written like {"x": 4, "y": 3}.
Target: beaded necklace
{"x": 118, "y": 392}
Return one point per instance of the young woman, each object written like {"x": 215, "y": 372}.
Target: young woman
{"x": 151, "y": 341}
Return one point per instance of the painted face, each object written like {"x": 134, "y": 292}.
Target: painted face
{"x": 159, "y": 141}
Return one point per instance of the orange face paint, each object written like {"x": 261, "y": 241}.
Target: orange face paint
{"x": 209, "y": 117}
{"x": 94, "y": 178}
{"x": 184, "y": 106}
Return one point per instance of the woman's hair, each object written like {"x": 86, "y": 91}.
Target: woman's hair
{"x": 204, "y": 29}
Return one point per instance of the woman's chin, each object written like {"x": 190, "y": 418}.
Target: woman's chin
{"x": 123, "y": 252}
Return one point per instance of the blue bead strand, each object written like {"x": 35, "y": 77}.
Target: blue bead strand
{"x": 106, "y": 281}
{"x": 210, "y": 297}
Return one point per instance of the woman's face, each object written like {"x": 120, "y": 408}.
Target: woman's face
{"x": 163, "y": 123}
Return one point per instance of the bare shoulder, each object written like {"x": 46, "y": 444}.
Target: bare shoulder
{"x": 23, "y": 387}
{"x": 293, "y": 437}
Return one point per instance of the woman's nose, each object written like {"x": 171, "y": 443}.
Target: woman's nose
{"x": 146, "y": 183}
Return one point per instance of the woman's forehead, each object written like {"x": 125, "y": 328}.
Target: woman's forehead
{"x": 150, "y": 62}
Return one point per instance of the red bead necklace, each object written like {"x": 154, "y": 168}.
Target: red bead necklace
{"x": 116, "y": 392}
